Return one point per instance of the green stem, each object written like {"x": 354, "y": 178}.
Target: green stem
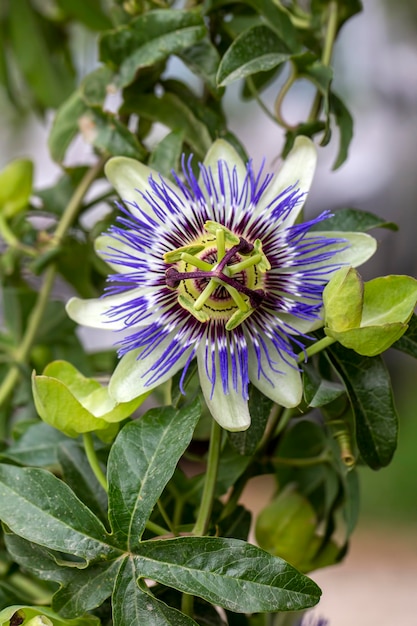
{"x": 258, "y": 99}
{"x": 156, "y": 528}
{"x": 307, "y": 462}
{"x": 320, "y": 345}
{"x": 326, "y": 56}
{"x": 280, "y": 98}
{"x": 187, "y": 604}
{"x": 23, "y": 351}
{"x": 93, "y": 460}
{"x": 203, "y": 518}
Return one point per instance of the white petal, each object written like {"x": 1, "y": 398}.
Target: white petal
{"x": 104, "y": 246}
{"x": 222, "y": 151}
{"x": 357, "y": 248}
{"x": 131, "y": 376}
{"x": 129, "y": 176}
{"x": 298, "y": 169}
{"x": 229, "y": 410}
{"x": 297, "y": 325}
{"x": 283, "y": 383}
{"x": 93, "y": 312}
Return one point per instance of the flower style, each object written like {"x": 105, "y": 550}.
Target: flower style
{"x": 216, "y": 268}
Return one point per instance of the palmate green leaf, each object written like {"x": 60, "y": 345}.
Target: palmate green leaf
{"x": 148, "y": 39}
{"x": 173, "y": 112}
{"x": 29, "y": 612}
{"x": 258, "y": 49}
{"x": 353, "y": 220}
{"x": 369, "y": 388}
{"x": 85, "y": 589}
{"x": 41, "y": 508}
{"x": 142, "y": 460}
{"x": 133, "y": 605}
{"x": 227, "y": 572}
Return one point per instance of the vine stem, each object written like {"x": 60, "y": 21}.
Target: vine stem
{"x": 326, "y": 56}
{"x": 93, "y": 460}
{"x": 320, "y": 345}
{"x": 206, "y": 505}
{"x": 23, "y": 351}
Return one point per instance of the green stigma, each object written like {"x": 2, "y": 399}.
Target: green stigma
{"x": 220, "y": 276}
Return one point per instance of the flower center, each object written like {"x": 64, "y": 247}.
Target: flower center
{"x": 219, "y": 276}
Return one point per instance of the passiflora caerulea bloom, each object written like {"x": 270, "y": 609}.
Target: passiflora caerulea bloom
{"x": 218, "y": 269}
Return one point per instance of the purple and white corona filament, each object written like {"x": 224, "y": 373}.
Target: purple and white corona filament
{"x": 217, "y": 269}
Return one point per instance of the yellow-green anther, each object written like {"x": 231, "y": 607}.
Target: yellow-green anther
{"x": 175, "y": 255}
{"x": 263, "y": 265}
{"x": 212, "y": 228}
{"x": 237, "y": 318}
{"x": 205, "y": 294}
{"x": 189, "y": 306}
{"x": 194, "y": 260}
{"x": 221, "y": 244}
{"x": 242, "y": 265}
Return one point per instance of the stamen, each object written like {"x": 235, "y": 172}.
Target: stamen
{"x": 221, "y": 244}
{"x": 205, "y": 294}
{"x": 193, "y": 260}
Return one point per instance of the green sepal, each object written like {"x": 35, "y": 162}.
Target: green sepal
{"x": 388, "y": 304}
{"x": 74, "y": 404}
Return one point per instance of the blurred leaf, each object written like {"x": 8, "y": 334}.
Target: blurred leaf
{"x": 47, "y": 73}
{"x": 369, "y": 388}
{"x": 278, "y": 20}
{"x": 106, "y": 133}
{"x": 37, "y": 447}
{"x": 203, "y": 59}
{"x": 148, "y": 39}
{"x": 148, "y": 451}
{"x": 96, "y": 86}
{"x": 133, "y": 605}
{"x": 88, "y": 12}
{"x": 256, "y": 50}
{"x": 408, "y": 342}
{"x": 317, "y": 390}
{"x": 353, "y": 220}
{"x": 174, "y": 113}
{"x": 55, "y": 198}
{"x": 286, "y": 527}
{"x": 260, "y": 406}
{"x": 222, "y": 567}
{"x": 167, "y": 154}
{"x": 66, "y": 125}
{"x": 344, "y": 122}
{"x": 16, "y": 181}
